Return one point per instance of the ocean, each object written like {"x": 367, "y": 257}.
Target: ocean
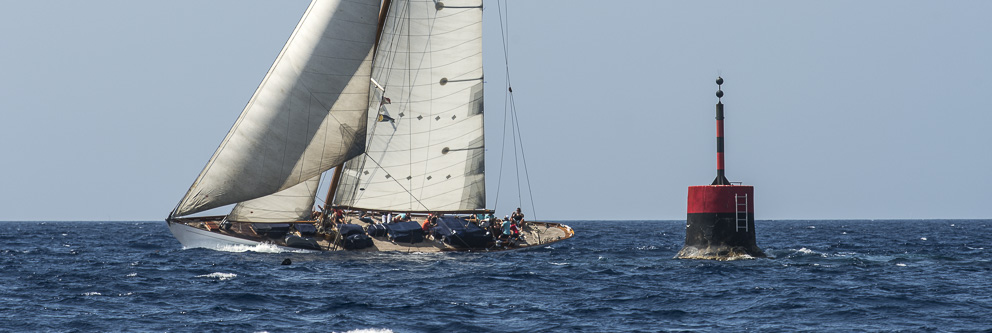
{"x": 848, "y": 275}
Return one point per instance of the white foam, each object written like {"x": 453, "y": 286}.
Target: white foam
{"x": 220, "y": 276}
{"x": 740, "y": 257}
{"x": 132, "y": 274}
{"x": 92, "y": 293}
{"x": 260, "y": 248}
{"x": 901, "y": 265}
{"x": 371, "y": 330}
{"x": 923, "y": 238}
{"x": 805, "y": 251}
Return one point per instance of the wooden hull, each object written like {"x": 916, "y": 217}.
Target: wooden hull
{"x": 240, "y": 236}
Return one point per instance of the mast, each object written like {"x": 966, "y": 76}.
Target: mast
{"x": 336, "y": 178}
{"x": 334, "y": 185}
{"x": 382, "y": 22}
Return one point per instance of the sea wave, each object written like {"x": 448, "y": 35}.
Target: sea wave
{"x": 878, "y": 277}
{"x": 219, "y": 276}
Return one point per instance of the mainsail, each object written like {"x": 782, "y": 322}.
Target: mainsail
{"x": 307, "y": 116}
{"x": 425, "y": 124}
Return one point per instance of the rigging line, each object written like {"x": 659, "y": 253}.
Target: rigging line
{"x": 523, "y": 156}
{"x": 505, "y": 30}
{"x": 355, "y": 196}
{"x": 506, "y": 97}
{"x": 401, "y": 185}
{"x": 361, "y": 167}
{"x": 320, "y": 183}
{"x": 516, "y": 160}
{"x": 502, "y": 149}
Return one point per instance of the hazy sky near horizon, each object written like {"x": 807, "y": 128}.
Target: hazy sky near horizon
{"x": 835, "y": 109}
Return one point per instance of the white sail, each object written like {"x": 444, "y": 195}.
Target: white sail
{"x": 292, "y": 204}
{"x": 307, "y": 115}
{"x": 428, "y": 73}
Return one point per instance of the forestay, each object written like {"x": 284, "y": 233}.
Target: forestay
{"x": 307, "y": 115}
{"x": 425, "y": 138}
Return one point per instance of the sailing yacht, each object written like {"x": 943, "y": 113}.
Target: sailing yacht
{"x": 386, "y": 99}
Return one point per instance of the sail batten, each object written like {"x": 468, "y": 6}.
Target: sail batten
{"x": 425, "y": 140}
{"x": 307, "y": 115}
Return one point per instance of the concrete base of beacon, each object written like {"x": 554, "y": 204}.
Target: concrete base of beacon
{"x": 720, "y": 224}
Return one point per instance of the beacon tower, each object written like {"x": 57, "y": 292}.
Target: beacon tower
{"x": 720, "y": 216}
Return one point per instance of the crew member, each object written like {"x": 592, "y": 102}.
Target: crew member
{"x": 518, "y": 217}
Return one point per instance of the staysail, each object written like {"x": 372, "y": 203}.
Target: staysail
{"x": 292, "y": 204}
{"x": 307, "y": 116}
{"x": 425, "y": 149}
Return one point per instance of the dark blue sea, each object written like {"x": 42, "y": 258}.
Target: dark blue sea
{"x": 912, "y": 275}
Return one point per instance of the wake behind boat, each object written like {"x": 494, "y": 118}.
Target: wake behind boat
{"x": 388, "y": 95}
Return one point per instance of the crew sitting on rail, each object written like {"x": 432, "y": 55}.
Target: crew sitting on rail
{"x": 518, "y": 217}
{"x": 485, "y": 222}
{"x": 429, "y": 223}
{"x": 514, "y": 230}
{"x": 337, "y": 216}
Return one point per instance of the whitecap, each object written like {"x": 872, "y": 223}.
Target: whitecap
{"x": 559, "y": 263}
{"x": 923, "y": 238}
{"x": 652, "y": 247}
{"x": 92, "y": 293}
{"x": 219, "y": 276}
{"x": 805, "y": 251}
{"x": 371, "y": 330}
{"x": 901, "y": 265}
{"x": 132, "y": 274}
{"x": 260, "y": 248}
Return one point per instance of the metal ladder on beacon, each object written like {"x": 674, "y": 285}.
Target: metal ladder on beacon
{"x": 740, "y": 207}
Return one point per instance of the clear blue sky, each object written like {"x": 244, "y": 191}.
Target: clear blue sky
{"x": 835, "y": 110}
